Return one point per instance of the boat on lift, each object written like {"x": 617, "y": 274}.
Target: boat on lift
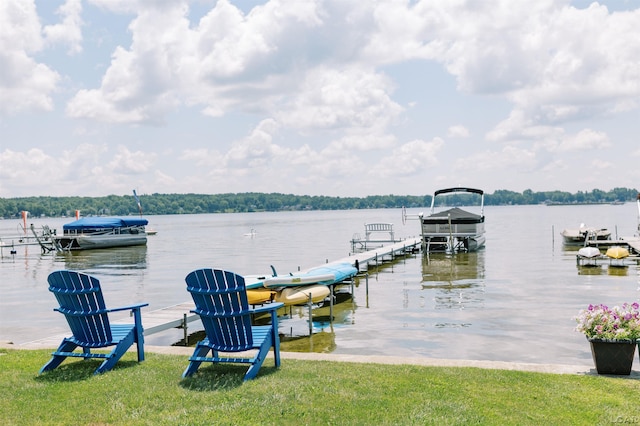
{"x": 101, "y": 232}
{"x": 589, "y": 252}
{"x": 617, "y": 252}
{"x": 453, "y": 229}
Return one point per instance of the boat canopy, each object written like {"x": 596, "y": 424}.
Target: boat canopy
{"x": 104, "y": 222}
{"x": 458, "y": 189}
{"x": 455, "y": 214}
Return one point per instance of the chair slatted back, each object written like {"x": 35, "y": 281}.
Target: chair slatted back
{"x": 82, "y": 304}
{"x": 221, "y": 302}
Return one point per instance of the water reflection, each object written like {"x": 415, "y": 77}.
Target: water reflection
{"x": 456, "y": 280}
{"x": 114, "y": 259}
{"x": 294, "y": 327}
{"x": 590, "y": 269}
{"x": 618, "y": 270}
{"x": 603, "y": 269}
{"x": 294, "y": 324}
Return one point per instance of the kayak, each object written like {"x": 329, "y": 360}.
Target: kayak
{"x": 328, "y": 274}
{"x": 300, "y": 295}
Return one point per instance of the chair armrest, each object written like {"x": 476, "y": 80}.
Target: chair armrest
{"x": 266, "y": 308}
{"x": 137, "y": 315}
{"x": 128, "y": 308}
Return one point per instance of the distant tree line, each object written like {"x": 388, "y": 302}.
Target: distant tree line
{"x": 157, "y": 204}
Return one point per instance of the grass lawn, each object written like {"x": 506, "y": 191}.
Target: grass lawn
{"x": 301, "y": 393}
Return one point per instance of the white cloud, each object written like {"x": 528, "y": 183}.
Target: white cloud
{"x": 310, "y": 95}
{"x": 24, "y": 83}
{"x": 586, "y": 139}
{"x": 341, "y": 98}
{"x": 69, "y": 30}
{"x": 410, "y": 158}
{"x": 510, "y": 158}
{"x": 127, "y": 162}
{"x": 458, "y": 131}
{"x": 255, "y": 150}
{"x": 73, "y": 170}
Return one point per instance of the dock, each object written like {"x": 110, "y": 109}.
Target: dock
{"x": 379, "y": 255}
{"x": 605, "y": 260}
{"x": 176, "y": 316}
{"x": 368, "y": 243}
{"x": 180, "y": 315}
{"x": 632, "y": 243}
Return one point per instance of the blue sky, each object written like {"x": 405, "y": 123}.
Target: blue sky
{"x": 317, "y": 97}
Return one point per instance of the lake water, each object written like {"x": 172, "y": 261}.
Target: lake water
{"x": 512, "y": 301}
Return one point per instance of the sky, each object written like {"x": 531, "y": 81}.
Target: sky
{"x": 344, "y": 98}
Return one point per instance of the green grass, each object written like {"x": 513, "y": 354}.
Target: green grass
{"x": 303, "y": 392}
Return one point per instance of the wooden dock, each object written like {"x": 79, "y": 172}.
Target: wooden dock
{"x": 633, "y": 243}
{"x": 176, "y": 316}
{"x": 379, "y": 255}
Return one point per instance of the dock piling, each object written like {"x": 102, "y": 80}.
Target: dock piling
{"x": 310, "y": 304}
{"x": 185, "y": 330}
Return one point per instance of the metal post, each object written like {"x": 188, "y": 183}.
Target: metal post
{"x": 184, "y": 329}
{"x": 331, "y": 304}
{"x": 310, "y": 317}
{"x": 366, "y": 280}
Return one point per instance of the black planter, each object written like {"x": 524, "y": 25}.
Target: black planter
{"x": 613, "y": 356}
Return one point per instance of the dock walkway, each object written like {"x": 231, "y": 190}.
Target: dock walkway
{"x": 382, "y": 254}
{"x": 176, "y": 316}
{"x": 632, "y": 242}
{"x": 180, "y": 315}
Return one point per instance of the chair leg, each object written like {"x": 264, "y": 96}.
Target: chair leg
{"x": 200, "y": 351}
{"x": 140, "y": 347}
{"x": 56, "y": 360}
{"x": 139, "y": 334}
{"x": 116, "y": 354}
{"x": 275, "y": 337}
{"x": 276, "y": 346}
{"x": 259, "y": 359}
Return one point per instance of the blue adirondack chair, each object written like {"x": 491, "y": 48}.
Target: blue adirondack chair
{"x": 221, "y": 302}
{"x": 82, "y": 304}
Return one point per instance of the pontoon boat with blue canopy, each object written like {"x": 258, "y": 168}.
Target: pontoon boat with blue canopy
{"x": 102, "y": 232}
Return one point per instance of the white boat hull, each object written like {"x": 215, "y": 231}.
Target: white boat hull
{"x": 577, "y": 237}
{"x": 589, "y": 253}
{"x": 87, "y": 242}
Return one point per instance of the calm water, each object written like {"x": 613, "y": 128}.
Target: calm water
{"x": 512, "y": 301}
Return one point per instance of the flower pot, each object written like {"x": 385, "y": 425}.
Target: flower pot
{"x": 613, "y": 356}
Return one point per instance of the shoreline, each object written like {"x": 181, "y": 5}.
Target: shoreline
{"x": 383, "y": 359}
